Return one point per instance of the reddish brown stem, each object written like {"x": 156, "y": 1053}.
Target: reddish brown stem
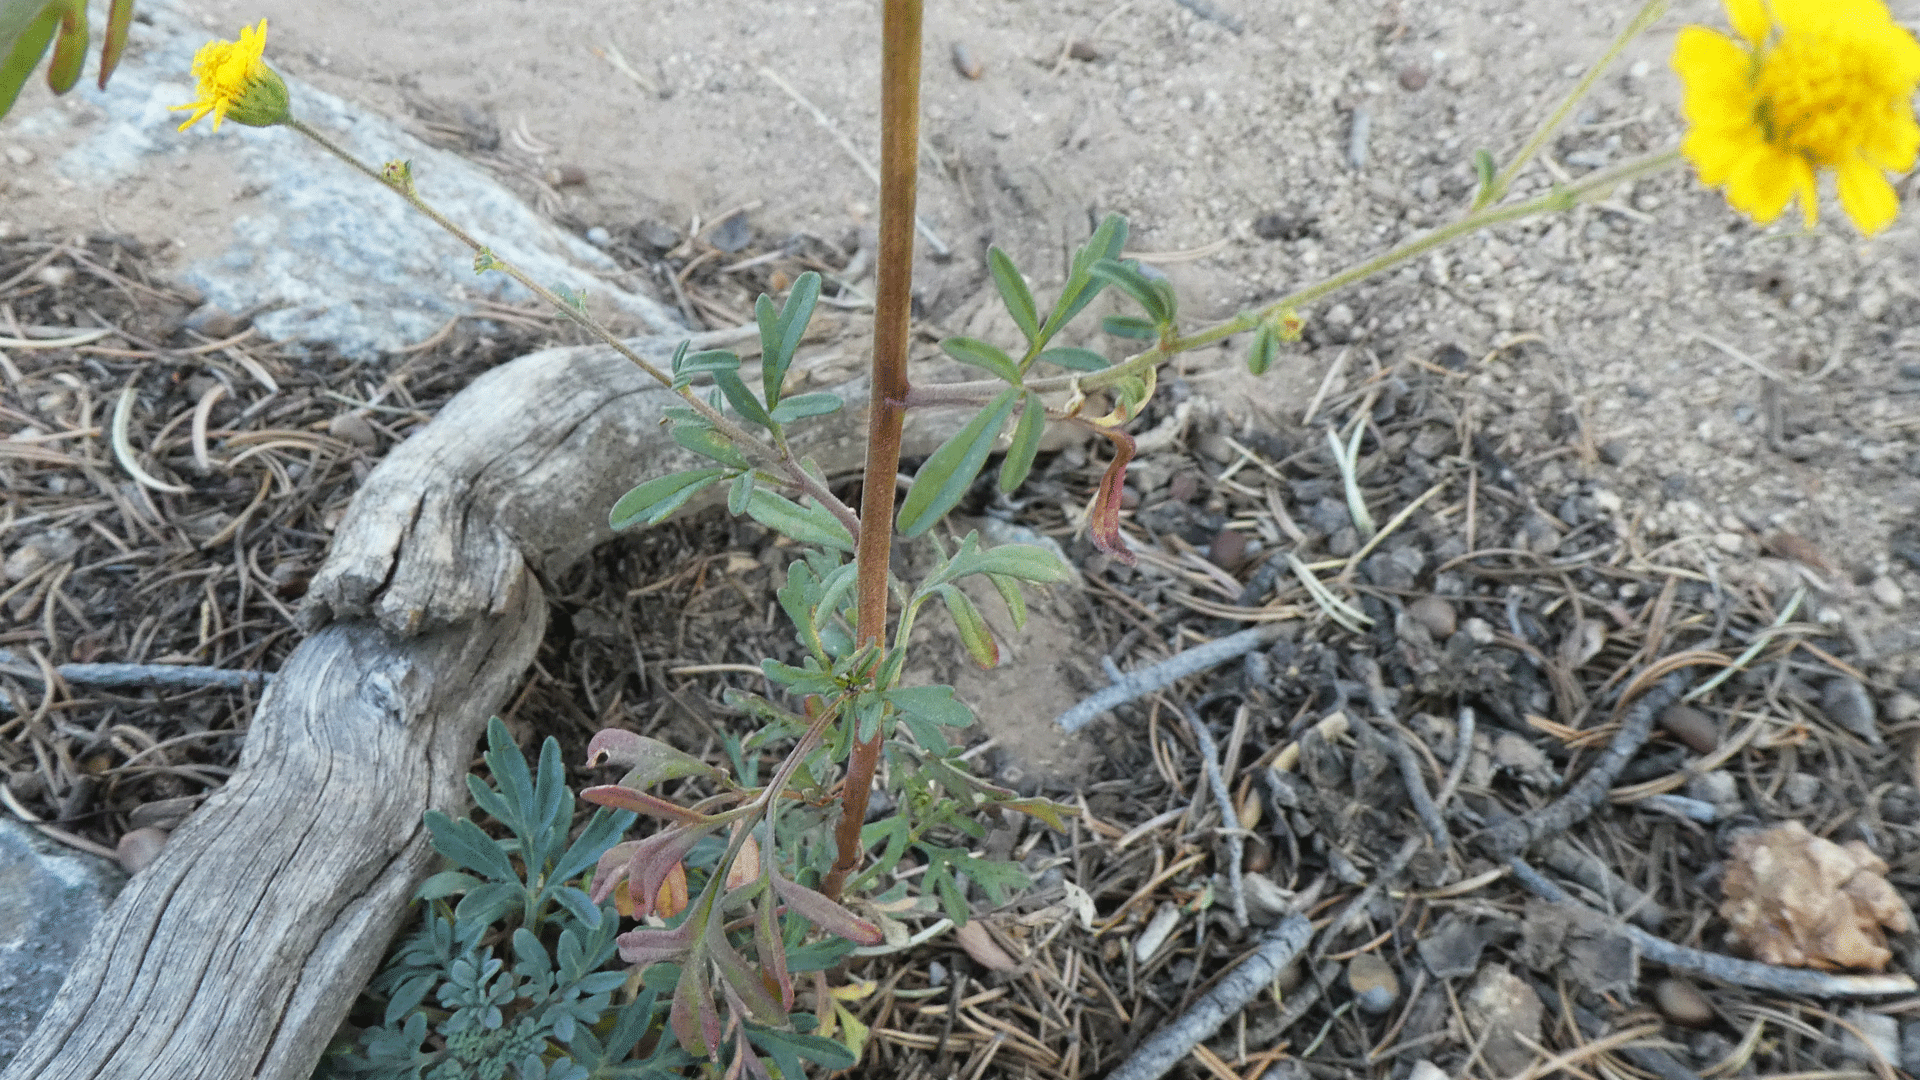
{"x": 899, "y": 156}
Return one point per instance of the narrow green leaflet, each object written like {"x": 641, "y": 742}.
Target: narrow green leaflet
{"x": 27, "y": 47}
{"x": 988, "y": 358}
{"x": 741, "y": 398}
{"x": 1130, "y": 326}
{"x": 653, "y": 501}
{"x": 780, "y": 333}
{"x": 1107, "y": 242}
{"x": 1266, "y": 346}
{"x": 1126, "y": 277}
{"x": 701, "y": 363}
{"x": 696, "y": 436}
{"x": 811, "y": 524}
{"x": 945, "y": 477}
{"x": 1013, "y": 290}
{"x": 1074, "y": 359}
{"x": 1026, "y": 443}
{"x": 801, "y": 406}
{"x": 119, "y": 19}
{"x": 739, "y": 492}
{"x": 935, "y": 704}
{"x": 1028, "y": 562}
{"x": 70, "y": 49}
{"x": 974, "y": 634}
{"x": 1009, "y": 591}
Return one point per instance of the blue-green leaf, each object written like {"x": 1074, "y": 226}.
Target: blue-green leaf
{"x": 1130, "y": 326}
{"x": 1126, "y": 277}
{"x": 703, "y": 440}
{"x": 811, "y": 524}
{"x": 944, "y": 478}
{"x": 1026, "y": 443}
{"x": 801, "y": 406}
{"x": 1014, "y": 291}
{"x": 1074, "y": 359}
{"x": 741, "y": 398}
{"x": 1266, "y": 346}
{"x": 780, "y": 334}
{"x": 980, "y": 354}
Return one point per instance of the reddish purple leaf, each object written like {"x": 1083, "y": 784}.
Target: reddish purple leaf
{"x": 826, "y": 914}
{"x": 773, "y": 953}
{"x": 742, "y": 979}
{"x": 649, "y": 761}
{"x": 649, "y": 945}
{"x": 695, "y": 1022}
{"x": 623, "y": 798}
{"x": 611, "y": 870}
{"x": 1103, "y": 524}
{"x": 653, "y": 859}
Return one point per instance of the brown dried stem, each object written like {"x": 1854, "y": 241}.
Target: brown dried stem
{"x": 899, "y": 153}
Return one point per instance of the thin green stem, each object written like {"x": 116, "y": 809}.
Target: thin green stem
{"x": 1586, "y": 189}
{"x": 1649, "y": 13}
{"x": 779, "y": 458}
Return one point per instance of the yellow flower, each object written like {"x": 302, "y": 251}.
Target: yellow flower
{"x": 236, "y": 84}
{"x": 1810, "y": 85}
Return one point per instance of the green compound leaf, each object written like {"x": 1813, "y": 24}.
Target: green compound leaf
{"x": 1026, "y": 443}
{"x": 655, "y": 500}
{"x": 1013, "y": 290}
{"x": 1266, "y": 346}
{"x": 780, "y": 334}
{"x": 1075, "y": 359}
{"x": 988, "y": 358}
{"x": 801, "y": 406}
{"x": 811, "y": 524}
{"x": 974, "y": 634}
{"x": 945, "y": 477}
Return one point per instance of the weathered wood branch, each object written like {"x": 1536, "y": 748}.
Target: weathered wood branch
{"x": 239, "y": 950}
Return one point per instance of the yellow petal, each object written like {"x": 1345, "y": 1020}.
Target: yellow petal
{"x": 1866, "y": 196}
{"x": 1750, "y": 20}
{"x": 1893, "y": 144}
{"x": 1715, "y": 153}
{"x": 1765, "y": 180}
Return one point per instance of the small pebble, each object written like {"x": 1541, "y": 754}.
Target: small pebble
{"x": 1846, "y": 703}
{"x": 1800, "y": 789}
{"x": 1436, "y": 615}
{"x": 20, "y": 155}
{"x": 1479, "y": 630}
{"x": 214, "y": 322}
{"x": 1717, "y": 787}
{"x": 1683, "y": 1003}
{"x": 1727, "y": 542}
{"x": 598, "y": 236}
{"x": 54, "y": 276}
{"x": 1692, "y": 727}
{"x": 21, "y": 563}
{"x": 1228, "y": 550}
{"x": 139, "y": 848}
{"x": 567, "y": 176}
{"x": 354, "y": 428}
{"x": 1084, "y": 50}
{"x": 1375, "y": 986}
{"x": 1427, "y": 1070}
{"x": 1414, "y": 77}
{"x": 964, "y": 62}
{"x": 1887, "y": 593}
{"x": 1902, "y": 707}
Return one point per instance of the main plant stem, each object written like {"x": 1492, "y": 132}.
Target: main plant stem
{"x": 899, "y": 155}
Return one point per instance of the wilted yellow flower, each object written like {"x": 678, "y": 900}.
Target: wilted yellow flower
{"x": 236, "y": 84}
{"x": 1811, "y": 85}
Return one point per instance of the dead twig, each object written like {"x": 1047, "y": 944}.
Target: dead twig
{"x": 1726, "y": 969}
{"x": 1229, "y": 818}
{"x": 1174, "y": 1042}
{"x": 1140, "y": 683}
{"x": 155, "y": 676}
{"x": 1516, "y": 834}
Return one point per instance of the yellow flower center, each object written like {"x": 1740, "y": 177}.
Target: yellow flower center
{"x": 1817, "y": 96}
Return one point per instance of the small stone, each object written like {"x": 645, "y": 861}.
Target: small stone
{"x": 966, "y": 63}
{"x": 1902, "y": 707}
{"x": 24, "y": 561}
{"x": 1413, "y": 77}
{"x": 1692, "y": 727}
{"x": 1217, "y": 448}
{"x": 1887, "y": 594}
{"x": 1718, "y": 788}
{"x": 1614, "y": 452}
{"x": 1800, "y": 789}
{"x": 1527, "y": 762}
{"x": 1683, "y": 1003}
{"x": 20, "y": 155}
{"x": 1505, "y": 1012}
{"x": 1727, "y": 542}
{"x": 598, "y": 236}
{"x": 657, "y": 235}
{"x": 1426, "y": 1070}
{"x": 733, "y": 234}
{"x": 1882, "y": 1037}
{"x": 1846, "y": 703}
{"x": 1375, "y": 986}
{"x": 1479, "y": 630}
{"x": 354, "y": 428}
{"x": 214, "y": 322}
{"x": 139, "y": 848}
{"x": 1436, "y": 615}
{"x": 568, "y": 176}
{"x": 1084, "y": 51}
{"x": 56, "y": 277}
{"x": 1343, "y": 542}
{"x": 1228, "y": 550}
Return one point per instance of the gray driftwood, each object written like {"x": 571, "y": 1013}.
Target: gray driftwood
{"x": 239, "y": 950}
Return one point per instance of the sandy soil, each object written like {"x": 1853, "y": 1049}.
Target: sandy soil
{"x": 1733, "y": 384}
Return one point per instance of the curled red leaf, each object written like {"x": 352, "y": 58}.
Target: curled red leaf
{"x": 826, "y": 914}
{"x": 1103, "y": 523}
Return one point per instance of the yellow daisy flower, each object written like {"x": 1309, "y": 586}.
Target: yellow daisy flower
{"x": 1809, "y": 85}
{"x": 235, "y": 83}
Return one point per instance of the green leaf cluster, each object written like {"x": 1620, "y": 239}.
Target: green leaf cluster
{"x": 511, "y": 981}
{"x": 28, "y": 27}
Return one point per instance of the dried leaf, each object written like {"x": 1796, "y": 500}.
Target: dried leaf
{"x": 1802, "y": 901}
{"x": 1103, "y": 523}
{"x": 985, "y": 951}
{"x": 826, "y": 914}
{"x": 649, "y": 761}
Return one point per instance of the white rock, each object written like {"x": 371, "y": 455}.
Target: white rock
{"x": 1887, "y": 593}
